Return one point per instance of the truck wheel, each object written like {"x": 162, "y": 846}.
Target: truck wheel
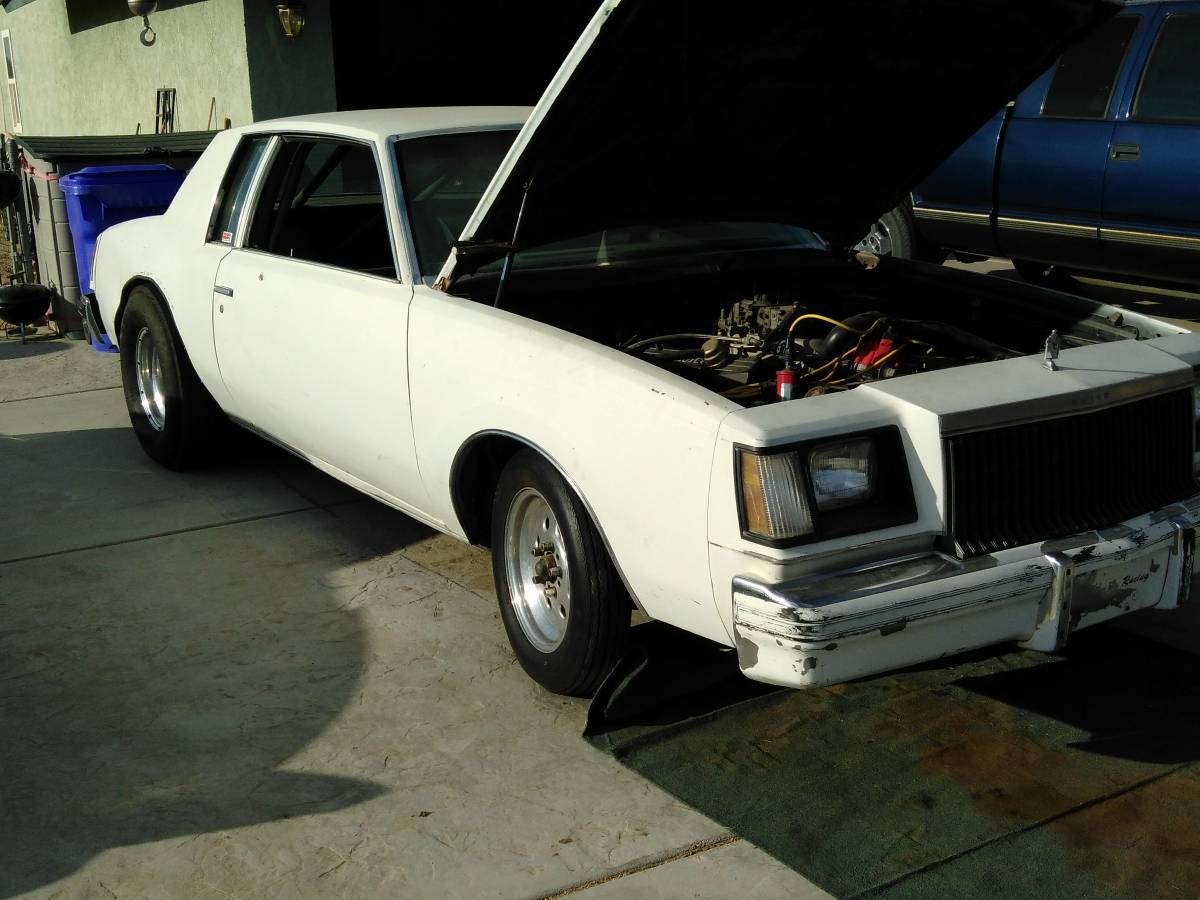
{"x": 563, "y": 605}
{"x": 891, "y": 235}
{"x": 895, "y": 234}
{"x": 1045, "y": 275}
{"x": 174, "y": 417}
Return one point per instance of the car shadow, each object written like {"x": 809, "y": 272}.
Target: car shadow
{"x": 168, "y": 686}
{"x": 670, "y": 680}
{"x": 1099, "y": 685}
{"x": 864, "y": 785}
{"x": 667, "y": 680}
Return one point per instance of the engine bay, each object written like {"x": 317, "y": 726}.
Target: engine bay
{"x": 762, "y": 350}
{"x": 775, "y": 346}
{"x": 759, "y": 334}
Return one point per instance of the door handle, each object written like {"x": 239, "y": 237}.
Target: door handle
{"x": 221, "y": 289}
{"x": 1126, "y": 152}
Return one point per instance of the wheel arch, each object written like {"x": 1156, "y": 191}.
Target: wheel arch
{"x": 132, "y": 284}
{"x": 475, "y": 473}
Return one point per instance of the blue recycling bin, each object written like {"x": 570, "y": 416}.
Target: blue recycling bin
{"x": 100, "y": 196}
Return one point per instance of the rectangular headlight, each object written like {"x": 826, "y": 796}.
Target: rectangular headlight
{"x": 843, "y": 473}
{"x": 826, "y": 488}
{"x": 774, "y": 496}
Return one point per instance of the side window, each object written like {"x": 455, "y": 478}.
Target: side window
{"x": 1170, "y": 88}
{"x": 10, "y": 71}
{"x": 1087, "y": 73}
{"x": 232, "y": 199}
{"x": 322, "y": 202}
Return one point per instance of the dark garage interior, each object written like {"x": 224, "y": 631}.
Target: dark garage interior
{"x": 472, "y": 52}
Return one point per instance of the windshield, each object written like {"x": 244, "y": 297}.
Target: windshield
{"x": 648, "y": 242}
{"x": 443, "y": 177}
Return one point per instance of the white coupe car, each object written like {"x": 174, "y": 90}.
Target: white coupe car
{"x": 624, "y": 341}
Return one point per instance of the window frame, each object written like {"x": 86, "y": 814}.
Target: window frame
{"x": 1150, "y": 57}
{"x": 14, "y": 92}
{"x": 1139, "y": 21}
{"x": 264, "y": 169}
{"x": 235, "y": 160}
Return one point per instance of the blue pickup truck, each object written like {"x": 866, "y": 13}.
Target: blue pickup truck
{"x": 1094, "y": 169}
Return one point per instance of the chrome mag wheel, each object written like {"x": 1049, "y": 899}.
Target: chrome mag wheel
{"x": 878, "y": 240}
{"x": 148, "y": 367}
{"x": 537, "y": 569}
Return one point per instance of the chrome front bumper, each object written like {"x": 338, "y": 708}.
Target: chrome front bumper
{"x": 835, "y": 627}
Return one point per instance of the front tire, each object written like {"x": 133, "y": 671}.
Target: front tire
{"x": 564, "y": 607}
{"x": 176, "y": 420}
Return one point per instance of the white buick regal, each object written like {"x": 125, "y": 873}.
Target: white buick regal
{"x": 624, "y": 340}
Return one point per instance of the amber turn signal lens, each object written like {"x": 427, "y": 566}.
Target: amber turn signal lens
{"x": 774, "y": 498}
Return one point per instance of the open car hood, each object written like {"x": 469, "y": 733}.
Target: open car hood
{"x": 818, "y": 114}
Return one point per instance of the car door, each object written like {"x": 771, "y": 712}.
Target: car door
{"x": 1051, "y": 172}
{"x": 197, "y": 268}
{"x": 310, "y": 317}
{"x": 1152, "y": 187}
{"x": 953, "y": 206}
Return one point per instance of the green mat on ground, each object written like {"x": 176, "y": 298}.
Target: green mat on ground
{"x": 1014, "y": 775}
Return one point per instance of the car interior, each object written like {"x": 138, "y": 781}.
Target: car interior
{"x": 322, "y": 202}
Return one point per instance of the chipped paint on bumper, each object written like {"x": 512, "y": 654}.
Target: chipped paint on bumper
{"x": 832, "y": 628}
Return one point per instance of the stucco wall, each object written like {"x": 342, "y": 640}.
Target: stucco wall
{"x": 101, "y": 79}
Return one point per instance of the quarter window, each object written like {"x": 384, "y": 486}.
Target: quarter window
{"x": 322, "y": 202}
{"x": 1087, "y": 73}
{"x": 1170, "y": 89}
{"x": 10, "y": 71}
{"x": 234, "y": 192}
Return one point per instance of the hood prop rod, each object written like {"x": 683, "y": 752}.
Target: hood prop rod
{"x": 512, "y": 247}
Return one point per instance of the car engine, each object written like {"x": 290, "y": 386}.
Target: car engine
{"x": 768, "y": 347}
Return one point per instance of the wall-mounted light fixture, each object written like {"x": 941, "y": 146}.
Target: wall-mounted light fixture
{"x": 291, "y": 18}
{"x": 143, "y": 8}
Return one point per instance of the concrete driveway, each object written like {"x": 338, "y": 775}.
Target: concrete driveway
{"x": 251, "y": 681}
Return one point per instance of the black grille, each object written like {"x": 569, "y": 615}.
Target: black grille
{"x": 1024, "y": 483}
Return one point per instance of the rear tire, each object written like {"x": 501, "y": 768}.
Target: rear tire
{"x": 564, "y": 607}
{"x": 176, "y": 420}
